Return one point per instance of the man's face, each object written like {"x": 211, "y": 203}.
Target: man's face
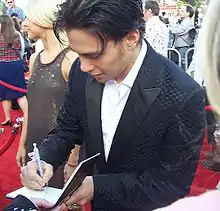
{"x": 111, "y": 64}
{"x": 25, "y": 26}
{"x": 11, "y": 3}
{"x": 183, "y": 13}
{"x": 147, "y": 14}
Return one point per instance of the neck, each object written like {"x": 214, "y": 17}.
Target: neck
{"x": 50, "y": 42}
{"x": 132, "y": 60}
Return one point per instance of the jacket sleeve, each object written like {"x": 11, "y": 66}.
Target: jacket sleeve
{"x": 56, "y": 147}
{"x": 20, "y": 203}
{"x": 181, "y": 28}
{"x": 172, "y": 180}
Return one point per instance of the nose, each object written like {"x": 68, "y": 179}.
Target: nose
{"x": 86, "y": 65}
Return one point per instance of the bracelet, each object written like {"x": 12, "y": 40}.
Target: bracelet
{"x": 71, "y": 165}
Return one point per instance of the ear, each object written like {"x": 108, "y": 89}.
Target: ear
{"x": 132, "y": 39}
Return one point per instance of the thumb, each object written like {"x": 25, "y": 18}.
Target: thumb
{"x": 59, "y": 208}
{"x": 41, "y": 203}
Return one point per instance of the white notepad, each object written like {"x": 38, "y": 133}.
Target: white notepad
{"x": 57, "y": 196}
{"x": 50, "y": 194}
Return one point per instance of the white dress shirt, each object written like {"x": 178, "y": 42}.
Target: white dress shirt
{"x": 157, "y": 34}
{"x": 114, "y": 99}
{"x": 196, "y": 64}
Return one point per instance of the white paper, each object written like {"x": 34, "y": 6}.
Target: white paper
{"x": 50, "y": 194}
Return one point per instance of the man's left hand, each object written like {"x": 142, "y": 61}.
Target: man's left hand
{"x": 83, "y": 195}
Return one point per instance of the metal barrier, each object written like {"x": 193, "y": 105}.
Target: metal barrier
{"x": 188, "y": 57}
{"x": 174, "y": 55}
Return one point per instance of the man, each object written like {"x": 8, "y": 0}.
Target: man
{"x": 12, "y": 8}
{"x": 156, "y": 31}
{"x": 165, "y": 18}
{"x": 135, "y": 107}
{"x": 181, "y": 29}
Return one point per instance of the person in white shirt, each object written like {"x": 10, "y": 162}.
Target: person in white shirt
{"x": 156, "y": 31}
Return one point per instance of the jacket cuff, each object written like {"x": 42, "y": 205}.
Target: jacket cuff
{"x": 21, "y": 203}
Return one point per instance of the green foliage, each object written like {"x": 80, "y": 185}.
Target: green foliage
{"x": 196, "y": 3}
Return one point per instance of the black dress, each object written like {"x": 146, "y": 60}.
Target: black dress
{"x": 46, "y": 89}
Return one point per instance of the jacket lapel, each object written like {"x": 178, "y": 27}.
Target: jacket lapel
{"x": 93, "y": 102}
{"x": 142, "y": 96}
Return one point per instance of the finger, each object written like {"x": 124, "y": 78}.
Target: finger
{"x": 48, "y": 172}
{"x": 41, "y": 203}
{"x": 18, "y": 161}
{"x": 33, "y": 175}
{"x": 65, "y": 179}
{"x": 59, "y": 208}
{"x": 30, "y": 183}
{"x": 23, "y": 162}
{"x": 76, "y": 196}
{"x": 29, "y": 173}
{"x": 81, "y": 203}
{"x": 65, "y": 176}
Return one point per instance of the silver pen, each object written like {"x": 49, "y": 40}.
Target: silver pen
{"x": 37, "y": 159}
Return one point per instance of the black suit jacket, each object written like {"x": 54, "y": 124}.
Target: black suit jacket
{"x": 155, "y": 150}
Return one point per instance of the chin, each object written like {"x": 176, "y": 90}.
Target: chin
{"x": 101, "y": 79}
{"x": 31, "y": 36}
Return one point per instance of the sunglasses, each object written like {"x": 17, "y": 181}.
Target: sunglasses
{"x": 9, "y": 2}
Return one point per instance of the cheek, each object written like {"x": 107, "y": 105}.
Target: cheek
{"x": 34, "y": 31}
{"x": 108, "y": 63}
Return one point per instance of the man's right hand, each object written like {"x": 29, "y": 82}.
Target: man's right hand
{"x": 30, "y": 177}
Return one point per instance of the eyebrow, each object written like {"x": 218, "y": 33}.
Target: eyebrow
{"x": 87, "y": 53}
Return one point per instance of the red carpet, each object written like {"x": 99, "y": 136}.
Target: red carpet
{"x": 9, "y": 173}
{"x": 205, "y": 179}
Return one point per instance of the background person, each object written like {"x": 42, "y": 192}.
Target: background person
{"x": 11, "y": 68}
{"x": 12, "y": 8}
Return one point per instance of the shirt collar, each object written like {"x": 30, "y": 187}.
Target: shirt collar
{"x": 152, "y": 19}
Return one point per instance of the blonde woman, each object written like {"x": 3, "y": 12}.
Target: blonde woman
{"x": 210, "y": 52}
{"x": 49, "y": 72}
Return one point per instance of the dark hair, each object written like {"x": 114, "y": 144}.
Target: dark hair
{"x": 190, "y": 10}
{"x": 161, "y": 18}
{"x": 163, "y": 13}
{"x": 8, "y": 30}
{"x": 196, "y": 19}
{"x": 14, "y": 14}
{"x": 16, "y": 24}
{"x": 106, "y": 19}
{"x": 154, "y": 6}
